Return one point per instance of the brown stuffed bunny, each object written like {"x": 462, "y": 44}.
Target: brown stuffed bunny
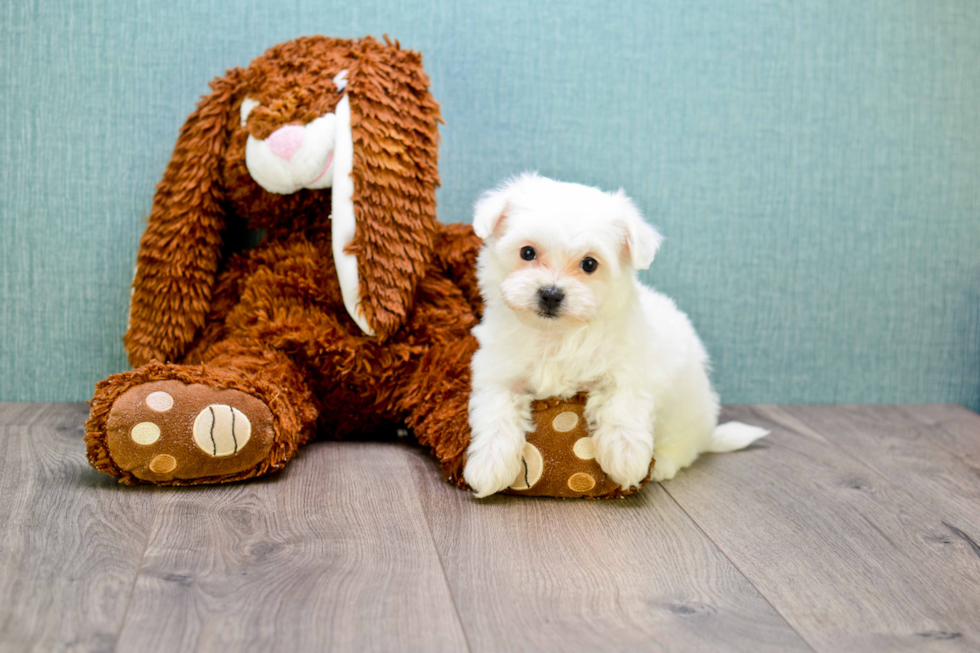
{"x": 352, "y": 313}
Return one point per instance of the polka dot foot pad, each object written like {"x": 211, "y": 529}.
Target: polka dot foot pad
{"x": 166, "y": 430}
{"x": 559, "y": 457}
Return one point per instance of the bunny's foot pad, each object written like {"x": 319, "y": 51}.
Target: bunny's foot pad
{"x": 169, "y": 431}
{"x": 559, "y": 457}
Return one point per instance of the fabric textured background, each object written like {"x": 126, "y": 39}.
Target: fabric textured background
{"x": 814, "y": 165}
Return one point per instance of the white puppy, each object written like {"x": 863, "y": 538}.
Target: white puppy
{"x": 565, "y": 313}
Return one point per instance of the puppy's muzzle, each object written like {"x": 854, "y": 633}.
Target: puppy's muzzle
{"x": 549, "y": 301}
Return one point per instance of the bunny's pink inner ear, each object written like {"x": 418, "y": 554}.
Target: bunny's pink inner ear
{"x": 344, "y": 221}
{"x": 394, "y": 173}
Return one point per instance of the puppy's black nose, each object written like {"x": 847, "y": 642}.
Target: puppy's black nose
{"x": 549, "y": 299}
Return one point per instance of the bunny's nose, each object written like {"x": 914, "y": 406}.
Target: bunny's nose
{"x": 286, "y": 141}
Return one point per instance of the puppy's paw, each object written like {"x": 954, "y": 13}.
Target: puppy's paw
{"x": 624, "y": 456}
{"x": 491, "y": 469}
{"x": 665, "y": 469}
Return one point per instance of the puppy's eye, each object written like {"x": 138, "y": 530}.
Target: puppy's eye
{"x": 589, "y": 264}
{"x": 528, "y": 253}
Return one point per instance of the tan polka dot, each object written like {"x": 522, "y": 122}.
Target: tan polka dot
{"x": 145, "y": 433}
{"x": 532, "y": 466}
{"x": 160, "y": 401}
{"x": 581, "y": 482}
{"x": 163, "y": 464}
{"x": 221, "y": 430}
{"x": 584, "y": 448}
{"x": 564, "y": 421}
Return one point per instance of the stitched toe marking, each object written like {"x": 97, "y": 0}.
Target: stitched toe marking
{"x": 584, "y": 448}
{"x": 532, "y": 466}
{"x": 581, "y": 482}
{"x": 221, "y": 430}
{"x": 145, "y": 433}
{"x": 565, "y": 421}
{"x": 160, "y": 401}
{"x": 163, "y": 464}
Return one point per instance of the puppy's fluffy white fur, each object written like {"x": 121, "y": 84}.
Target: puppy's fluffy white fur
{"x": 629, "y": 347}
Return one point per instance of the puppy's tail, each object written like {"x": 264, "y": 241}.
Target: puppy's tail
{"x": 733, "y": 436}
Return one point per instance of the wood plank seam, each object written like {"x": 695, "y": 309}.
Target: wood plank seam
{"x": 918, "y": 419}
{"x": 139, "y": 570}
{"x": 635, "y": 615}
{"x": 908, "y": 556}
{"x": 794, "y": 422}
{"x": 445, "y": 577}
{"x": 737, "y": 568}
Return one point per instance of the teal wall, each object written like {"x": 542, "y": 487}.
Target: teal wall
{"x": 814, "y": 164}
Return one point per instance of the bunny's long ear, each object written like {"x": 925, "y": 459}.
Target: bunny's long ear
{"x": 180, "y": 252}
{"x": 392, "y": 186}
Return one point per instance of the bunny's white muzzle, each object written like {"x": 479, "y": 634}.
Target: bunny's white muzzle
{"x": 294, "y": 156}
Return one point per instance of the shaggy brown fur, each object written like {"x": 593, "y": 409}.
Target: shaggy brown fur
{"x": 270, "y": 321}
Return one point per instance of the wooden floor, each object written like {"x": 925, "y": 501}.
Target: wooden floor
{"x": 848, "y": 529}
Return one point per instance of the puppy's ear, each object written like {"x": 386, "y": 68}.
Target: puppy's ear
{"x": 642, "y": 240}
{"x": 491, "y": 209}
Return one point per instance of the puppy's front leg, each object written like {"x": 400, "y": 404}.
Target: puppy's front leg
{"x": 499, "y": 418}
{"x": 622, "y": 422}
